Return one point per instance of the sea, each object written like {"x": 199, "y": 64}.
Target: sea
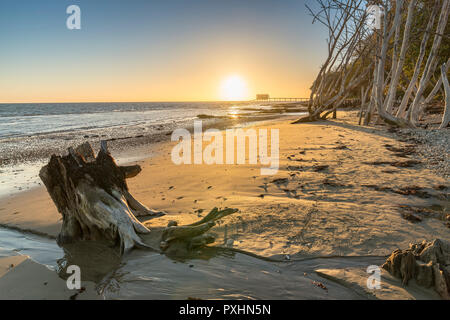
{"x": 31, "y": 132}
{"x": 37, "y": 118}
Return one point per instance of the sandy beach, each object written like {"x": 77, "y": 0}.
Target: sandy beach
{"x": 341, "y": 190}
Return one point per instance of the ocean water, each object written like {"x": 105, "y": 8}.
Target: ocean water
{"x": 31, "y": 133}
{"x": 39, "y": 118}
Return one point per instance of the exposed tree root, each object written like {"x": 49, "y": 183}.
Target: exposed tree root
{"x": 427, "y": 262}
{"x": 306, "y": 119}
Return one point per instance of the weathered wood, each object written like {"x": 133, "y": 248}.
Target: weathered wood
{"x": 347, "y": 62}
{"x": 131, "y": 171}
{"x": 397, "y": 63}
{"x": 446, "y": 115}
{"x": 401, "y": 112}
{"x": 92, "y": 196}
{"x": 431, "y": 64}
{"x": 426, "y": 262}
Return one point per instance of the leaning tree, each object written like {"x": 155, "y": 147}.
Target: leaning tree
{"x": 395, "y": 67}
{"x": 413, "y": 98}
{"x": 348, "y": 64}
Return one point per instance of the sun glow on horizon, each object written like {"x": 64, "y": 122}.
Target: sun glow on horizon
{"x": 233, "y": 88}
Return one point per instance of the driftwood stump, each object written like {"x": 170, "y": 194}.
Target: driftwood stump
{"x": 427, "y": 262}
{"x": 92, "y": 196}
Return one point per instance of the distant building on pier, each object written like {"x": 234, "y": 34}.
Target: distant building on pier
{"x": 262, "y": 96}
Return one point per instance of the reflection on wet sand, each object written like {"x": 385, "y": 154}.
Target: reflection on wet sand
{"x": 206, "y": 273}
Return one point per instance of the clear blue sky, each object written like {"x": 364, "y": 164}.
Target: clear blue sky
{"x": 156, "y": 50}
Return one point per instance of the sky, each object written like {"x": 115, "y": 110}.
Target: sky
{"x": 171, "y": 50}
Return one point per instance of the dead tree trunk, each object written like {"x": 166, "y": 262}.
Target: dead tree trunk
{"x": 430, "y": 66}
{"x": 446, "y": 116}
{"x": 93, "y": 198}
{"x": 424, "y": 262}
{"x": 401, "y": 112}
{"x": 437, "y": 85}
{"x": 346, "y": 60}
{"x": 363, "y": 108}
{"x": 381, "y": 62}
{"x": 397, "y": 64}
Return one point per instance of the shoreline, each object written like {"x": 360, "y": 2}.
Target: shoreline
{"x": 23, "y": 148}
{"x": 341, "y": 190}
{"x": 159, "y": 152}
{"x": 26, "y": 155}
{"x": 137, "y": 153}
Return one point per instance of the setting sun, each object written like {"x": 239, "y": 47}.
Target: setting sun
{"x": 233, "y": 88}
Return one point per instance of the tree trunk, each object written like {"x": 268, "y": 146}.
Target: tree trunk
{"x": 437, "y": 86}
{"x": 412, "y": 83}
{"x": 397, "y": 65}
{"x": 93, "y": 198}
{"x": 387, "y": 35}
{"x": 413, "y": 112}
{"x": 371, "y": 106}
{"x": 446, "y": 116}
{"x": 363, "y": 102}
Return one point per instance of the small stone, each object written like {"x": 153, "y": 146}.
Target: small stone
{"x": 172, "y": 223}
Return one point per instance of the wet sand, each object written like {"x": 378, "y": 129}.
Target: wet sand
{"x": 341, "y": 190}
{"x": 22, "y": 278}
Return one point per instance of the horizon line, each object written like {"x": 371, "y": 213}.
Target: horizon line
{"x": 155, "y": 101}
